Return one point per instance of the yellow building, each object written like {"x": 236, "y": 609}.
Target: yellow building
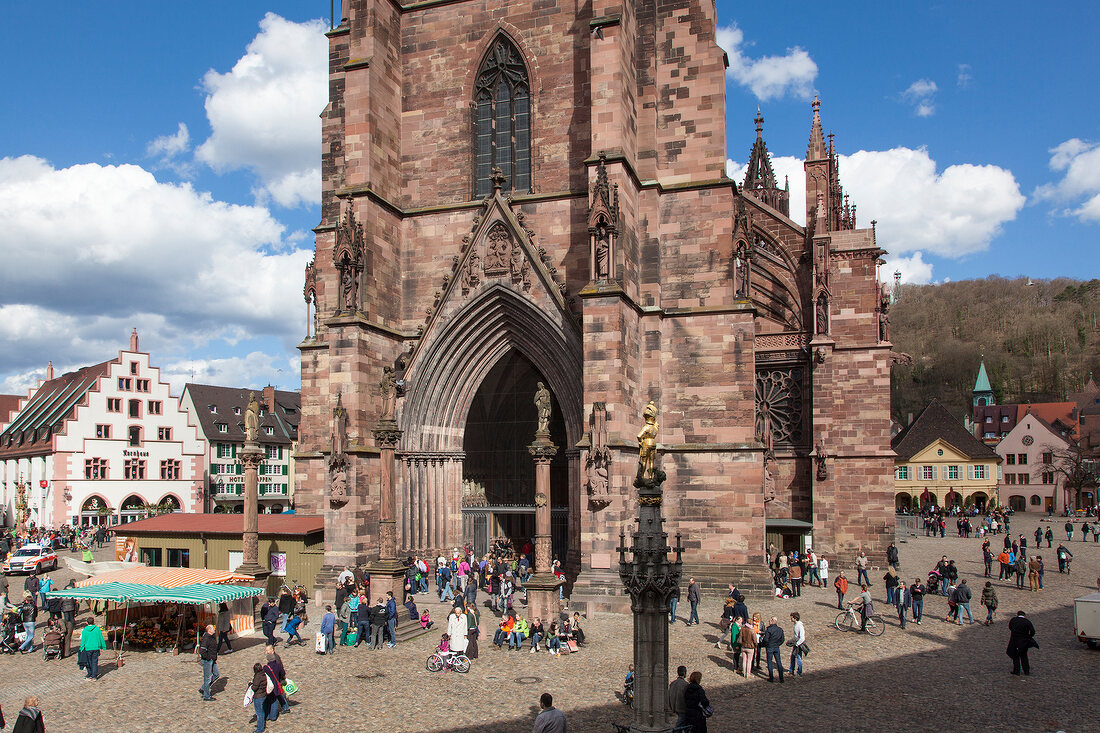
{"x": 940, "y": 463}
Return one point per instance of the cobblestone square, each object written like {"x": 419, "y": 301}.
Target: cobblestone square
{"x": 929, "y": 675}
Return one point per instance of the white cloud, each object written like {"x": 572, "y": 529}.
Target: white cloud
{"x": 950, "y": 213}
{"x": 922, "y": 95}
{"x": 169, "y": 146}
{"x": 963, "y": 76}
{"x": 264, "y": 113}
{"x": 769, "y": 77}
{"x": 914, "y": 270}
{"x": 91, "y": 251}
{"x": 256, "y": 369}
{"x": 1079, "y": 160}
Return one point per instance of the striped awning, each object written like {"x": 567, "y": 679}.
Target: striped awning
{"x": 167, "y": 577}
{"x": 144, "y": 593}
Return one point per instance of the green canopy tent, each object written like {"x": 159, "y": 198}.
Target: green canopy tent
{"x": 116, "y": 592}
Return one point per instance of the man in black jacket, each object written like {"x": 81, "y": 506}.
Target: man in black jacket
{"x": 270, "y": 617}
{"x": 377, "y": 623}
{"x": 773, "y": 643}
{"x": 892, "y": 555}
{"x": 208, "y": 653}
{"x": 1021, "y": 638}
{"x": 694, "y": 596}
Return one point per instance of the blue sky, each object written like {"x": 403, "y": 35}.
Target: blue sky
{"x": 158, "y": 161}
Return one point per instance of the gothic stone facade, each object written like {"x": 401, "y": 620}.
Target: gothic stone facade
{"x": 549, "y": 179}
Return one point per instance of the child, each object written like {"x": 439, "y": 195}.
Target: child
{"x": 444, "y": 650}
{"x": 425, "y": 620}
{"x": 291, "y": 628}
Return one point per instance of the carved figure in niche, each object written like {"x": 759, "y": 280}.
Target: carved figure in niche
{"x": 388, "y": 389}
{"x": 498, "y": 245}
{"x": 822, "y": 321}
{"x": 516, "y": 263}
{"x": 598, "y": 462}
{"x": 339, "y": 443}
{"x": 883, "y": 317}
{"x": 252, "y": 419}
{"x": 542, "y": 404}
{"x": 526, "y": 274}
{"x": 820, "y": 459}
{"x": 338, "y": 488}
{"x": 603, "y": 251}
{"x": 348, "y": 285}
{"x": 647, "y": 443}
{"x": 769, "y": 476}
{"x": 470, "y": 277}
{"x": 744, "y": 265}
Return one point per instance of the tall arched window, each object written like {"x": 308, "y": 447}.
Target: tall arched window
{"x": 502, "y": 120}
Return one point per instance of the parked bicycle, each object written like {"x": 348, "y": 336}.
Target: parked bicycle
{"x": 458, "y": 662}
{"x": 850, "y": 620}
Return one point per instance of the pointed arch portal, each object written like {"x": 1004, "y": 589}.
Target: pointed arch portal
{"x": 468, "y": 417}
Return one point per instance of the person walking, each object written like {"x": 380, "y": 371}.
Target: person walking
{"x": 989, "y": 600}
{"x": 987, "y": 559}
{"x": 672, "y": 601}
{"x": 773, "y": 642}
{"x": 676, "y": 696}
{"x": 459, "y": 630}
{"x": 29, "y": 719}
{"x": 696, "y": 703}
{"x": 903, "y": 598}
{"x": 1064, "y": 558}
{"x": 262, "y": 701}
{"x": 270, "y": 616}
{"x": 822, "y": 571}
{"x": 963, "y": 595}
{"x": 1069, "y": 531}
{"x": 224, "y": 626}
{"x": 796, "y": 580}
{"x": 328, "y": 627}
{"x": 277, "y": 671}
{"x": 799, "y": 638}
{"x": 694, "y": 596}
{"x": 1033, "y": 573}
{"x": 28, "y": 614}
{"x": 91, "y": 644}
{"x": 892, "y": 556}
{"x": 916, "y": 592}
{"x": 892, "y": 582}
{"x": 841, "y": 586}
{"x": 550, "y": 719}
{"x": 391, "y": 619}
{"x": 861, "y": 569}
{"x": 208, "y": 654}
{"x": 1049, "y": 537}
{"x": 1021, "y": 638}
{"x": 747, "y": 640}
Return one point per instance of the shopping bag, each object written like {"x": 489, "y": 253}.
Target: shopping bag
{"x": 572, "y": 645}
{"x": 289, "y": 687}
{"x": 248, "y": 697}
{"x": 320, "y": 647}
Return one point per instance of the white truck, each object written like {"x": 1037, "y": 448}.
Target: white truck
{"x": 1086, "y": 619}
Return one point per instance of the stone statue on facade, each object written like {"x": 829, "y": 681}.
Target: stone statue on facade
{"x": 603, "y": 251}
{"x": 252, "y": 419}
{"x": 598, "y": 462}
{"x": 822, "y": 315}
{"x": 744, "y": 263}
{"x": 647, "y": 443}
{"x": 338, "y": 460}
{"x": 388, "y": 389}
{"x": 542, "y": 404}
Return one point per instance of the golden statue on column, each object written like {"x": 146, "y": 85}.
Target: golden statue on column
{"x": 647, "y": 443}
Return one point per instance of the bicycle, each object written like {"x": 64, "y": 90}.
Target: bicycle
{"x": 848, "y": 621}
{"x": 458, "y": 662}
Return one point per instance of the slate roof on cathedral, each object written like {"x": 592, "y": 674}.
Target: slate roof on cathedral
{"x": 32, "y": 429}
{"x": 935, "y": 423}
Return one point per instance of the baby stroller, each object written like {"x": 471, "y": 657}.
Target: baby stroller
{"x": 9, "y": 644}
{"x": 933, "y": 582}
{"x": 51, "y": 644}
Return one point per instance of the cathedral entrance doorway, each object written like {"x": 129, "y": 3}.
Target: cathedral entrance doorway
{"x": 498, "y": 474}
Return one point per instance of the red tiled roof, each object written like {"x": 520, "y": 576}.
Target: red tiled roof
{"x": 1063, "y": 412}
{"x": 229, "y": 524}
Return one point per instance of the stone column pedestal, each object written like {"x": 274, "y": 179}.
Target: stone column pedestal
{"x": 542, "y": 586}
{"x": 387, "y": 573}
{"x": 250, "y": 457}
{"x": 542, "y": 597}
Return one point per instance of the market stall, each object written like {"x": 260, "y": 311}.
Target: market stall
{"x": 151, "y": 616}
{"x": 240, "y": 610}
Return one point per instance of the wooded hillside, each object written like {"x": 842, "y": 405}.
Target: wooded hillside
{"x": 1040, "y": 341}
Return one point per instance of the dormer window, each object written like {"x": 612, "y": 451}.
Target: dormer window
{"x": 268, "y": 430}
{"x": 222, "y": 427}
{"x": 236, "y": 411}
{"x": 213, "y": 409}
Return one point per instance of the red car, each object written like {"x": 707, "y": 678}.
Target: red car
{"x": 30, "y": 559}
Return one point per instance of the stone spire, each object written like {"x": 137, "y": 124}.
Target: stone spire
{"x": 760, "y": 178}
{"x": 816, "y": 149}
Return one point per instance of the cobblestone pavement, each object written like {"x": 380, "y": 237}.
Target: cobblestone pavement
{"x": 934, "y": 674}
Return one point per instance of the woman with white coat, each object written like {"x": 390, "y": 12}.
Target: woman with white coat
{"x": 458, "y": 630}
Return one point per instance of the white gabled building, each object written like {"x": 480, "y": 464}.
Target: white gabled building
{"x": 100, "y": 445}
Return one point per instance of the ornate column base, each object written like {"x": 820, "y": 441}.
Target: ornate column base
{"x": 387, "y": 575}
{"x": 542, "y": 597}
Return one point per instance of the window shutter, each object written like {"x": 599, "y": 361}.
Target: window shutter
{"x": 234, "y": 454}
{"x": 280, "y": 452}
{"x": 284, "y": 469}
{"x": 240, "y": 469}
